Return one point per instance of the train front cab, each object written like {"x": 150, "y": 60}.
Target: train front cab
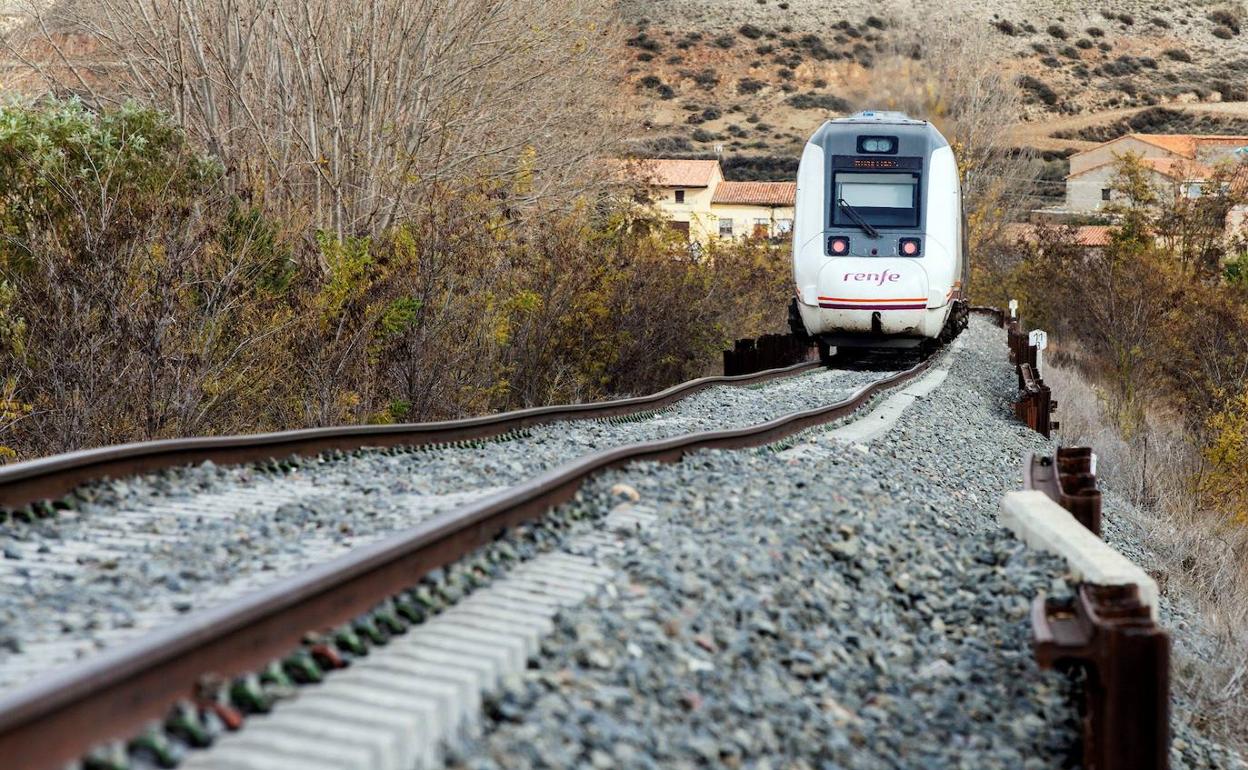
{"x": 878, "y": 234}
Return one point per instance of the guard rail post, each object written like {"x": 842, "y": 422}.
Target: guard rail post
{"x": 1108, "y": 627}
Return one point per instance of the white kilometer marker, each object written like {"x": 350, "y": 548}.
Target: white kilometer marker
{"x": 396, "y": 708}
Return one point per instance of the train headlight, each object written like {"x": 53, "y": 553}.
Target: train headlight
{"x": 909, "y": 247}
{"x": 838, "y": 245}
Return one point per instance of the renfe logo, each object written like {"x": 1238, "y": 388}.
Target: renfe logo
{"x": 879, "y": 279}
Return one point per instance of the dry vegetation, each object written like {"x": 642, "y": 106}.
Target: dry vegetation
{"x": 1150, "y": 367}
{"x": 269, "y": 215}
{"x": 773, "y": 71}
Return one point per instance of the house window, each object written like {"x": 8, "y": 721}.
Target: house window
{"x": 1104, "y": 193}
{"x": 784, "y": 226}
{"x": 762, "y": 228}
{"x": 680, "y": 196}
{"x": 725, "y": 227}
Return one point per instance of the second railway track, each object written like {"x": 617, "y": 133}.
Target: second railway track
{"x": 142, "y": 574}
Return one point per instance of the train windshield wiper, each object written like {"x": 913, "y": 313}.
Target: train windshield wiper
{"x": 858, "y": 220}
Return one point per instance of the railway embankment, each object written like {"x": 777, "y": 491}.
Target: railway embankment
{"x": 832, "y": 605}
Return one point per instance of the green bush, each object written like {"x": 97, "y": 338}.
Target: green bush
{"x": 138, "y": 300}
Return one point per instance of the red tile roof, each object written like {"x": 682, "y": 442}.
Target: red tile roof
{"x": 759, "y": 193}
{"x": 670, "y": 172}
{"x": 1183, "y": 145}
{"x": 1085, "y": 235}
{"x": 1174, "y": 168}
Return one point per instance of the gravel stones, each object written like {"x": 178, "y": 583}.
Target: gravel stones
{"x": 139, "y": 552}
{"x": 839, "y": 607}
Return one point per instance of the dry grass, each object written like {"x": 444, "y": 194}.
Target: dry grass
{"x": 1201, "y": 558}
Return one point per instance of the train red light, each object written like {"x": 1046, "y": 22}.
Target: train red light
{"x": 838, "y": 245}
{"x": 909, "y": 247}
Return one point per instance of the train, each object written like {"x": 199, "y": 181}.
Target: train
{"x": 879, "y": 237}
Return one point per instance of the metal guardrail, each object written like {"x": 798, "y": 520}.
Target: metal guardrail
{"x": 766, "y": 352}
{"x": 1108, "y": 632}
{"x": 1035, "y": 405}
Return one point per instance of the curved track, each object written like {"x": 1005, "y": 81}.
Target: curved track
{"x": 116, "y": 693}
{"x": 35, "y": 481}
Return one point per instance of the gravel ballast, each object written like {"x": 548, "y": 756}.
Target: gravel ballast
{"x": 146, "y": 550}
{"x": 828, "y": 606}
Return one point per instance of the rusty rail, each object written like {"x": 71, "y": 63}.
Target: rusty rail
{"x": 57, "y": 719}
{"x": 49, "y": 478}
{"x": 766, "y": 352}
{"x": 1109, "y": 633}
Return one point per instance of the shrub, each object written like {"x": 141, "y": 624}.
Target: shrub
{"x": 1095, "y": 32}
{"x": 1057, "y": 31}
{"x": 725, "y": 41}
{"x": 645, "y": 42}
{"x": 1223, "y": 33}
{"x": 816, "y": 101}
{"x": 1006, "y": 27}
{"x": 1070, "y": 52}
{"x": 1126, "y": 19}
{"x": 1041, "y": 48}
{"x": 706, "y": 78}
{"x": 750, "y": 31}
{"x": 1084, "y": 43}
{"x": 1157, "y": 21}
{"x": 876, "y": 22}
{"x": 814, "y": 45}
{"x": 1178, "y": 54}
{"x": 1038, "y": 89}
{"x": 764, "y": 49}
{"x": 1225, "y": 18}
{"x": 749, "y": 86}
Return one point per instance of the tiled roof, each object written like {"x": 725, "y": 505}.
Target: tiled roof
{"x": 1174, "y": 168}
{"x": 1179, "y": 144}
{"x": 1085, "y": 235}
{"x": 1183, "y": 145}
{"x": 1177, "y": 168}
{"x": 760, "y": 193}
{"x": 669, "y": 172}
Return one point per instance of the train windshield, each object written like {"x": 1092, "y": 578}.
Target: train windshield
{"x": 884, "y": 200}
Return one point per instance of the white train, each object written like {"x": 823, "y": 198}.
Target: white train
{"x": 878, "y": 236}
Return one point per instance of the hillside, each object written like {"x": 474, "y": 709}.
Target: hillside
{"x": 756, "y": 77}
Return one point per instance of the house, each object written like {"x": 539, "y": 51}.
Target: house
{"x": 1088, "y": 236}
{"x": 1178, "y": 161}
{"x": 697, "y": 200}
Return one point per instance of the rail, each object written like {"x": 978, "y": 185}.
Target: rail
{"x": 36, "y": 483}
{"x": 58, "y": 719}
{"x": 1107, "y": 629}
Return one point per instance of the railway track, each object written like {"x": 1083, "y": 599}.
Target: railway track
{"x": 148, "y": 664}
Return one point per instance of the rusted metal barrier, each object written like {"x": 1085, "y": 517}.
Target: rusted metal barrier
{"x": 1069, "y": 479}
{"x": 1107, "y": 631}
{"x": 1035, "y": 405}
{"x": 769, "y": 351}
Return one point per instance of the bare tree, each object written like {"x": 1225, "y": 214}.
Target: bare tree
{"x": 952, "y": 76}
{"x": 346, "y": 112}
